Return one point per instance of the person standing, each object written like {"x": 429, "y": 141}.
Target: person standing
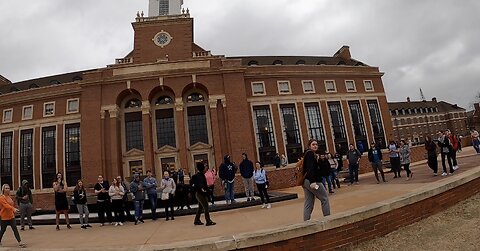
{"x": 431, "y": 148}
{"x": 311, "y": 185}
{"x": 7, "y": 215}
{"x": 277, "y": 160}
{"x": 137, "y": 187}
{"x": 475, "y": 140}
{"x": 324, "y": 172}
{"x": 246, "y": 170}
{"x": 375, "y": 158}
{"x": 455, "y": 147}
{"x": 211, "y": 176}
{"x": 24, "y": 202}
{"x": 260, "y": 177}
{"x": 200, "y": 186}
{"x": 394, "y": 159}
{"x": 181, "y": 176}
{"x": 168, "y": 192}
{"x": 80, "y": 197}
{"x": 103, "y": 200}
{"x": 116, "y": 192}
{"x": 227, "y": 174}
{"x": 283, "y": 160}
{"x": 126, "y": 204}
{"x": 353, "y": 158}
{"x": 151, "y": 187}
{"x": 445, "y": 149}
{"x": 405, "y": 158}
{"x": 60, "y": 188}
{"x": 333, "y": 170}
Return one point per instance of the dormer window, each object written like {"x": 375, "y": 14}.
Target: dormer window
{"x": 278, "y": 62}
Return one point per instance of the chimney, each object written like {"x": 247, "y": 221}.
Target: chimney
{"x": 434, "y": 99}
{"x": 408, "y": 99}
{"x": 477, "y": 106}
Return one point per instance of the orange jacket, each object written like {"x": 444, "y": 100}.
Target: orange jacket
{"x": 7, "y": 210}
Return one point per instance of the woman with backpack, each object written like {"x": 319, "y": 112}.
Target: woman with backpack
{"x": 260, "y": 177}
{"x": 312, "y": 186}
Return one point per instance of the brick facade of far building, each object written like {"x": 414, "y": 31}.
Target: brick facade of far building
{"x": 473, "y": 117}
{"x": 169, "y": 103}
{"x": 413, "y": 120}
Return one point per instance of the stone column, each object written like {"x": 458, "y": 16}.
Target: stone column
{"x": 147, "y": 137}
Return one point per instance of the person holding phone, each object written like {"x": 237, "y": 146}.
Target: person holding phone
{"x": 61, "y": 203}
{"x": 260, "y": 177}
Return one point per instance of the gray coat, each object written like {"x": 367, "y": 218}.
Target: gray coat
{"x": 138, "y": 190}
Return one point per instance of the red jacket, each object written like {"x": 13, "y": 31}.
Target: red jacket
{"x": 454, "y": 141}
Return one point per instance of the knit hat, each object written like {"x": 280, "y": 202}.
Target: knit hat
{"x": 24, "y": 182}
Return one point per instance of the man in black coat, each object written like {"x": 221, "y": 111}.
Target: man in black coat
{"x": 199, "y": 184}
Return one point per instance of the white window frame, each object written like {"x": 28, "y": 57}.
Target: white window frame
{"x": 289, "y": 87}
{"x": 354, "y": 86}
{"x": 44, "y": 110}
{"x": 72, "y": 100}
{"x": 308, "y": 81}
{"x": 334, "y": 86}
{"x": 365, "y": 82}
{"x": 24, "y": 117}
{"x": 3, "y": 116}
{"x": 263, "y": 86}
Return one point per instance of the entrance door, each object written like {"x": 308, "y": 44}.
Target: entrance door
{"x": 167, "y": 165}
{"x": 198, "y": 158}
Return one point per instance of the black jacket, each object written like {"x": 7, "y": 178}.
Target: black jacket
{"x": 227, "y": 169}
{"x": 246, "y": 168}
{"x": 310, "y": 166}
{"x": 370, "y": 153}
{"x": 80, "y": 199}
{"x": 323, "y": 168}
{"x": 199, "y": 183}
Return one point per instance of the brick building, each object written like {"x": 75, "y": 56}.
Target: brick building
{"x": 170, "y": 103}
{"x": 413, "y": 120}
{"x": 473, "y": 117}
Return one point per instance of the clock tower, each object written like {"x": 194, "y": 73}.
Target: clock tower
{"x": 164, "y": 7}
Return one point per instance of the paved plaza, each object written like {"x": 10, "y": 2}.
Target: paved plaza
{"x": 230, "y": 222}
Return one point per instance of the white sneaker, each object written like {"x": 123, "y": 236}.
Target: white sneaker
{"x": 269, "y": 205}
{"x": 116, "y": 223}
{"x": 455, "y": 168}
{"x": 121, "y": 224}
{"x": 264, "y": 205}
{"x": 444, "y": 174}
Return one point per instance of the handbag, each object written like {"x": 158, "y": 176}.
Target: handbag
{"x": 165, "y": 196}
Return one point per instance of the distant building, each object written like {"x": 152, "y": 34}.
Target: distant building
{"x": 413, "y": 120}
{"x": 473, "y": 117}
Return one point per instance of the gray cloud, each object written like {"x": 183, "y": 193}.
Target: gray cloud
{"x": 418, "y": 44}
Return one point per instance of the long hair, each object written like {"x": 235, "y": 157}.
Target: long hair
{"x": 310, "y": 141}
{"x": 3, "y": 187}
{"x": 77, "y": 187}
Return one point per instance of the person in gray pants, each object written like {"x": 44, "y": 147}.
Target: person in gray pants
{"x": 312, "y": 186}
{"x": 24, "y": 201}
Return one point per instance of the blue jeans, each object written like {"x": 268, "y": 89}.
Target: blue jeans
{"x": 353, "y": 171}
{"x": 229, "y": 191}
{"x": 138, "y": 204}
{"x": 476, "y": 145}
{"x": 152, "y": 197}
{"x": 328, "y": 180}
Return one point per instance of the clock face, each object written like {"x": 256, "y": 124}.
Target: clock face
{"x": 162, "y": 39}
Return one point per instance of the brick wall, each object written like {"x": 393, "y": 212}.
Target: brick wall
{"x": 354, "y": 233}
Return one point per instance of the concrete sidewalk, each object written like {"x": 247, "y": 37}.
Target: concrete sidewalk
{"x": 231, "y": 222}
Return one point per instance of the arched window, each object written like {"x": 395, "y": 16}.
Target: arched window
{"x": 195, "y": 97}
{"x": 77, "y": 78}
{"x": 165, "y": 122}
{"x": 133, "y": 103}
{"x": 54, "y": 82}
{"x": 197, "y": 118}
{"x": 133, "y": 124}
{"x": 252, "y": 63}
{"x": 277, "y": 62}
{"x": 33, "y": 86}
{"x": 164, "y": 100}
{"x": 321, "y": 62}
{"x": 300, "y": 62}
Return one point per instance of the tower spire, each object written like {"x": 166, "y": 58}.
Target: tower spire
{"x": 164, "y": 7}
{"x": 421, "y": 95}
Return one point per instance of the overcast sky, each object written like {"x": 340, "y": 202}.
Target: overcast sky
{"x": 428, "y": 44}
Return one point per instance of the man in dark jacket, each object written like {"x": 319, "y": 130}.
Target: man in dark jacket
{"x": 199, "y": 184}
{"x": 375, "y": 157}
{"x": 246, "y": 170}
{"x": 227, "y": 173}
{"x": 24, "y": 201}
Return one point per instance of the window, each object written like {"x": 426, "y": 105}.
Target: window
{"x": 265, "y": 135}
{"x": 164, "y": 100}
{"x": 133, "y": 103}
{"x": 284, "y": 87}
{"x": 308, "y": 86}
{"x": 165, "y": 125}
{"x": 292, "y": 132}
{"x": 258, "y": 88}
{"x": 27, "y": 112}
{"x": 197, "y": 124}
{"x": 73, "y": 170}
{"x": 350, "y": 85}
{"x": 377, "y": 125}
{"x": 133, "y": 131}
{"x": 72, "y": 105}
{"x": 136, "y": 166}
{"x": 195, "y": 97}
{"x": 49, "y": 109}
{"x": 314, "y": 123}
{"x": 368, "y": 85}
{"x": 7, "y": 115}
{"x": 49, "y": 163}
{"x": 164, "y": 7}
{"x": 6, "y": 158}
{"x": 358, "y": 125}
{"x": 338, "y": 124}
{"x": 26, "y": 156}
{"x": 330, "y": 86}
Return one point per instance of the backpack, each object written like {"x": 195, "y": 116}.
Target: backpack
{"x": 300, "y": 173}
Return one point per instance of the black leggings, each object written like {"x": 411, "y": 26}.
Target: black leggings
{"x": 407, "y": 169}
{"x": 13, "y": 225}
{"x": 262, "y": 190}
{"x": 169, "y": 204}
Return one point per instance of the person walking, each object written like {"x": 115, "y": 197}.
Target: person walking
{"x": 103, "y": 200}
{"x": 405, "y": 158}
{"x": 151, "y": 189}
{"x": 260, "y": 177}
{"x": 375, "y": 158}
{"x": 324, "y": 172}
{"x": 445, "y": 149}
{"x": 227, "y": 174}
{"x": 199, "y": 184}
{"x": 246, "y": 170}
{"x": 7, "y": 215}
{"x": 431, "y": 148}
{"x": 137, "y": 187}
{"x": 211, "y": 176}
{"x": 24, "y": 202}
{"x": 475, "y": 140}
{"x": 455, "y": 147}
{"x": 168, "y": 187}
{"x": 126, "y": 204}
{"x": 80, "y": 198}
{"x": 353, "y": 158}
{"x": 394, "y": 159}
{"x": 116, "y": 193}
{"x": 311, "y": 185}
{"x": 333, "y": 170}
{"x": 60, "y": 188}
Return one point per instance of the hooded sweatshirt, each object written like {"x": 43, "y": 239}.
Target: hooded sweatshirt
{"x": 22, "y": 191}
{"x": 227, "y": 170}
{"x": 246, "y": 168}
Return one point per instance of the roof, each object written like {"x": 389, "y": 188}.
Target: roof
{"x": 411, "y": 105}
{"x": 447, "y": 107}
{"x": 296, "y": 60}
